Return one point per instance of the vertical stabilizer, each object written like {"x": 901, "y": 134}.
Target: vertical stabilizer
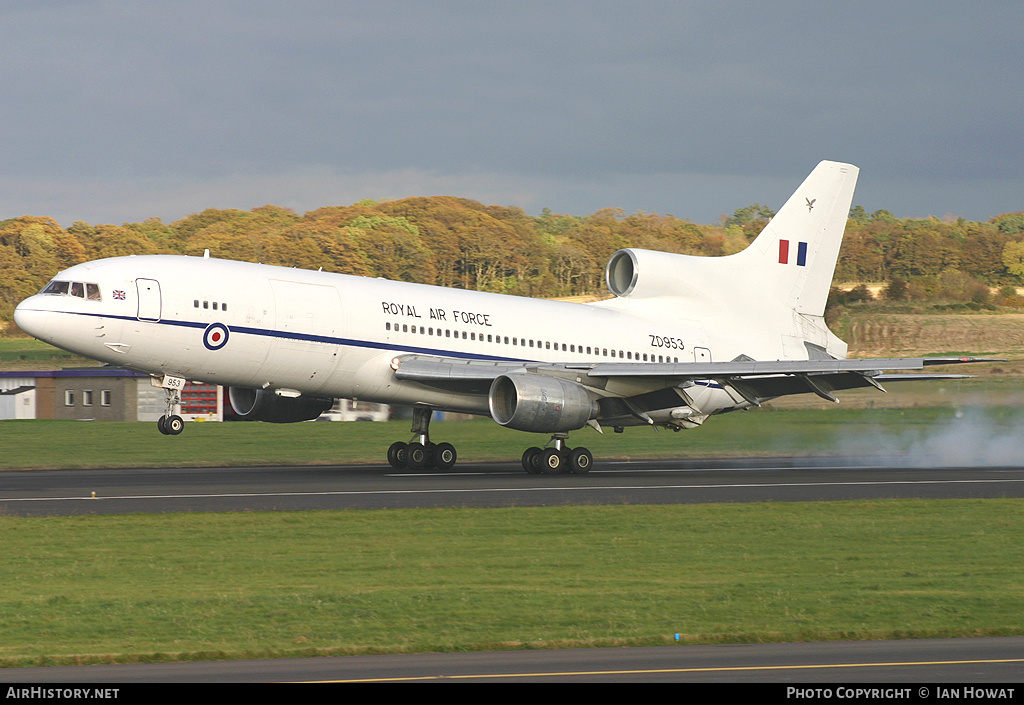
{"x": 795, "y": 256}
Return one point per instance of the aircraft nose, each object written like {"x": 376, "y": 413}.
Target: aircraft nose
{"x": 31, "y": 319}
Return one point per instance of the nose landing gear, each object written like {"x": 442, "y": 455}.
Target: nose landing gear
{"x": 170, "y": 424}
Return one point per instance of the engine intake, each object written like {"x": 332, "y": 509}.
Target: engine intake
{"x": 641, "y": 274}
{"x": 530, "y": 402}
{"x": 261, "y": 405}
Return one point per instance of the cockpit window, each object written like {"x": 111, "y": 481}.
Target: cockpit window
{"x": 56, "y": 287}
{"x": 80, "y": 289}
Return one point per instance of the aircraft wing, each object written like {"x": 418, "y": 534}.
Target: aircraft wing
{"x": 755, "y": 381}
{"x": 453, "y": 373}
{"x": 760, "y": 380}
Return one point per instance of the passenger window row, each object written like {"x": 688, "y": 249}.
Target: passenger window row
{"x": 206, "y": 304}
{"x": 526, "y": 342}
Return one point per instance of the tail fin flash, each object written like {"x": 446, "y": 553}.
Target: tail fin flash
{"x": 795, "y": 255}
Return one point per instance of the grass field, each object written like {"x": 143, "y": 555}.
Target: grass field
{"x": 968, "y": 435}
{"x": 241, "y": 585}
{"x": 19, "y": 353}
{"x": 202, "y": 586}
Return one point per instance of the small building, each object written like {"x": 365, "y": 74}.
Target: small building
{"x": 113, "y": 394}
{"x": 17, "y": 398}
{"x": 99, "y": 394}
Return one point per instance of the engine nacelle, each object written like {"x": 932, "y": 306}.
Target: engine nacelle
{"x": 641, "y": 274}
{"x": 531, "y": 402}
{"x": 261, "y": 405}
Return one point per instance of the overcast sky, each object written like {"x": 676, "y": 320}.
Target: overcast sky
{"x": 114, "y": 112}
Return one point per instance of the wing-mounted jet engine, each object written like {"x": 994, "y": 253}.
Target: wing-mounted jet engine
{"x": 264, "y": 405}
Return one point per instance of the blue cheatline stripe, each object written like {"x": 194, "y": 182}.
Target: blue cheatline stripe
{"x": 801, "y": 254}
{"x": 285, "y": 335}
{"x": 351, "y": 342}
{"x": 708, "y": 383}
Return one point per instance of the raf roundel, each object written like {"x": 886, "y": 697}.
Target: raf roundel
{"x": 216, "y": 336}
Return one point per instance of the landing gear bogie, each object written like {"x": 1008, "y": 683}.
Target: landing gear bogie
{"x": 416, "y": 456}
{"x": 421, "y": 453}
{"x": 557, "y": 459}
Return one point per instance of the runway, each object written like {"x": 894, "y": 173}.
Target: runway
{"x": 912, "y": 662}
{"x": 999, "y": 660}
{"x": 69, "y": 492}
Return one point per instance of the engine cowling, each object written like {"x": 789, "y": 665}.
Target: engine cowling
{"x": 530, "y": 402}
{"x": 640, "y": 274}
{"x": 262, "y": 405}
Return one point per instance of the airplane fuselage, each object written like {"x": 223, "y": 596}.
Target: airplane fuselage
{"x": 331, "y": 335}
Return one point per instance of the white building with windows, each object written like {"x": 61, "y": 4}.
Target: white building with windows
{"x": 98, "y": 394}
{"x": 17, "y": 397}
{"x": 110, "y": 394}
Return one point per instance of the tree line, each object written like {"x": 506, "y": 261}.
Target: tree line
{"x": 462, "y": 243}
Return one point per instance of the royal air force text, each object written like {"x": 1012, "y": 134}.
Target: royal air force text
{"x": 438, "y": 314}
{"x": 484, "y": 319}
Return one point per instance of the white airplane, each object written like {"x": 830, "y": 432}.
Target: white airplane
{"x": 684, "y": 338}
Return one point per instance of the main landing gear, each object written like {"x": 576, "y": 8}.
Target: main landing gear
{"x": 556, "y": 458}
{"x": 553, "y": 459}
{"x": 420, "y": 453}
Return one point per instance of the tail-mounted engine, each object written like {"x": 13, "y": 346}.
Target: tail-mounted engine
{"x": 641, "y": 274}
{"x": 261, "y": 405}
{"x": 540, "y": 404}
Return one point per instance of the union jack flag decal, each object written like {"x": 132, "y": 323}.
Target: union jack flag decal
{"x": 119, "y": 295}
{"x": 801, "y": 253}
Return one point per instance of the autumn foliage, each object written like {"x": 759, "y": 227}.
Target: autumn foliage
{"x": 462, "y": 243}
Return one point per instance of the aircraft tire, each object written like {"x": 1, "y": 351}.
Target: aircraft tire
{"x": 530, "y": 461}
{"x": 416, "y": 456}
{"x": 397, "y": 454}
{"x": 174, "y": 425}
{"x": 444, "y": 456}
{"x": 552, "y": 462}
{"x": 161, "y": 424}
{"x": 580, "y": 461}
